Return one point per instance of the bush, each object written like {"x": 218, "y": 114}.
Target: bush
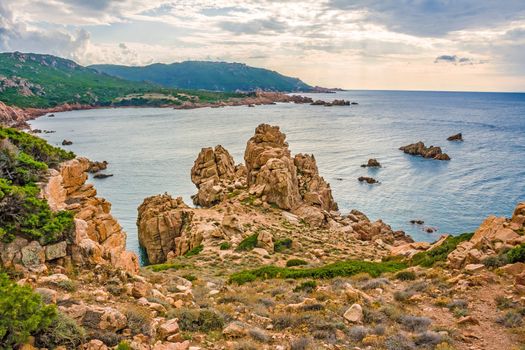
{"x": 338, "y": 269}
{"x": 225, "y": 246}
{"x": 139, "y": 320}
{"x": 430, "y": 257}
{"x": 295, "y": 262}
{"x": 282, "y": 244}
{"x": 399, "y": 342}
{"x": 203, "y": 320}
{"x": 415, "y": 323}
{"x": 428, "y": 338}
{"x": 248, "y": 243}
{"x": 22, "y": 313}
{"x": 259, "y": 335}
{"x": 308, "y": 287}
{"x": 300, "y": 344}
{"x": 194, "y": 251}
{"x": 375, "y": 283}
{"x": 166, "y": 266}
{"x": 123, "y": 345}
{"x": 64, "y": 331}
{"x": 516, "y": 254}
{"x": 358, "y": 333}
{"x": 511, "y": 319}
{"x": 406, "y": 276}
{"x": 496, "y": 261}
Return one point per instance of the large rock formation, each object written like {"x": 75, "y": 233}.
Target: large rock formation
{"x": 271, "y": 171}
{"x": 97, "y": 239}
{"x": 161, "y": 220}
{"x": 11, "y": 116}
{"x": 213, "y": 172}
{"x": 419, "y": 149}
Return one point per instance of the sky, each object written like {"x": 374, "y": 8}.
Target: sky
{"x": 473, "y": 45}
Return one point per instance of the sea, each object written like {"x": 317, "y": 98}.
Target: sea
{"x": 151, "y": 151}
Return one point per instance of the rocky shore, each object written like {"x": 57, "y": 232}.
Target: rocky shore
{"x": 265, "y": 261}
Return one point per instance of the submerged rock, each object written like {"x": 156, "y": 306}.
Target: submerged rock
{"x": 367, "y": 179}
{"x": 66, "y": 143}
{"x": 372, "y": 163}
{"x": 102, "y": 176}
{"x": 419, "y": 149}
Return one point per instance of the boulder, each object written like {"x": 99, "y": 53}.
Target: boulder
{"x": 372, "y": 163}
{"x": 367, "y": 179}
{"x": 55, "y": 251}
{"x": 162, "y": 219}
{"x": 354, "y": 314}
{"x": 168, "y": 328}
{"x": 455, "y": 137}
{"x": 265, "y": 241}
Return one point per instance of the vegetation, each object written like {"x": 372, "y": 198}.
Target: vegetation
{"x": 202, "y": 320}
{"x": 24, "y": 159}
{"x": 194, "y": 251}
{"x": 338, "y": 269}
{"x": 22, "y": 313}
{"x": 516, "y": 254}
{"x": 248, "y": 243}
{"x": 48, "y": 81}
{"x": 295, "y": 262}
{"x": 63, "y": 331}
{"x": 406, "y": 275}
{"x": 307, "y": 286}
{"x": 225, "y": 246}
{"x": 212, "y": 76}
{"x": 282, "y": 244}
{"x": 430, "y": 257}
{"x": 166, "y": 266}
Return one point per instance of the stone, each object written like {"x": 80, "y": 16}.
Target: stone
{"x": 55, "y": 251}
{"x": 235, "y": 329}
{"x": 419, "y": 149}
{"x": 354, "y": 314}
{"x": 33, "y": 255}
{"x": 410, "y": 249}
{"x": 94, "y": 344}
{"x": 49, "y": 296}
{"x": 265, "y": 241}
{"x": 455, "y": 137}
{"x": 367, "y": 179}
{"x": 140, "y": 290}
{"x": 168, "y": 328}
{"x": 474, "y": 267}
{"x": 513, "y": 269}
{"x": 372, "y": 163}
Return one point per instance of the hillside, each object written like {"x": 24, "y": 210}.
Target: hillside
{"x": 43, "y": 81}
{"x": 214, "y": 76}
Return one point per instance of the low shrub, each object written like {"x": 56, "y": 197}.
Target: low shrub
{"x": 295, "y": 262}
{"x": 259, "y": 335}
{"x": 358, "y": 333}
{"x": 430, "y": 257}
{"x": 282, "y": 244}
{"x": 248, "y": 243}
{"x": 203, "y": 320}
{"x": 64, "y": 331}
{"x": 225, "y": 246}
{"x": 516, "y": 254}
{"x": 375, "y": 283}
{"x": 22, "y": 313}
{"x": 139, "y": 320}
{"x": 511, "y": 319}
{"x": 338, "y": 269}
{"x": 166, "y": 266}
{"x": 308, "y": 287}
{"x": 300, "y": 344}
{"x": 406, "y": 275}
{"x": 399, "y": 342}
{"x": 428, "y": 338}
{"x": 496, "y": 261}
{"x": 194, "y": 251}
{"x": 415, "y": 323}
{"x": 123, "y": 345}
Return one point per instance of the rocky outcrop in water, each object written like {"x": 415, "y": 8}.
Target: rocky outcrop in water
{"x": 456, "y": 137}
{"x": 372, "y": 163}
{"x": 367, "y": 179}
{"x": 419, "y": 149}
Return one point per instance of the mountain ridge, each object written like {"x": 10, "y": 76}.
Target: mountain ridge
{"x": 207, "y": 75}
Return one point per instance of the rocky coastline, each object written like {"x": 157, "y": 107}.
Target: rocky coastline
{"x": 264, "y": 261}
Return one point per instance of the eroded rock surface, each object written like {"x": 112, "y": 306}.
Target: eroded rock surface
{"x": 419, "y": 149}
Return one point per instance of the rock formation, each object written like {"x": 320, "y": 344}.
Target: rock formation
{"x": 419, "y": 149}
{"x": 12, "y": 116}
{"x": 493, "y": 236}
{"x": 231, "y": 197}
{"x": 372, "y": 163}
{"x": 456, "y": 137}
{"x": 367, "y": 179}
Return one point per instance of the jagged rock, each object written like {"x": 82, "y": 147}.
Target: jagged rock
{"x": 161, "y": 219}
{"x": 12, "y": 116}
{"x": 265, "y": 241}
{"x": 270, "y": 166}
{"x": 33, "y": 256}
{"x": 55, "y": 251}
{"x": 368, "y": 180}
{"x": 168, "y": 328}
{"x": 419, "y": 149}
{"x": 410, "y": 249}
{"x": 372, "y": 163}
{"x": 104, "y": 318}
{"x": 313, "y": 188}
{"x": 67, "y": 143}
{"x": 456, "y": 137}
{"x": 95, "y": 167}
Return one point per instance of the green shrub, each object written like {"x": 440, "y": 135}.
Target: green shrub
{"x": 64, "y": 331}
{"x": 22, "y": 313}
{"x": 225, "y": 246}
{"x": 406, "y": 275}
{"x": 295, "y": 262}
{"x": 248, "y": 243}
{"x": 430, "y": 257}
{"x": 308, "y": 287}
{"x": 123, "y": 345}
{"x": 166, "y": 266}
{"x": 194, "y": 251}
{"x": 282, "y": 244}
{"x": 516, "y": 254}
{"x": 190, "y": 277}
{"x": 338, "y": 269}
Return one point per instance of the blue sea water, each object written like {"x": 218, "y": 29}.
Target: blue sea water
{"x": 151, "y": 151}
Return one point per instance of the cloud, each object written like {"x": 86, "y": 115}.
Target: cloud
{"x": 254, "y": 27}
{"x": 456, "y": 60}
{"x": 435, "y": 18}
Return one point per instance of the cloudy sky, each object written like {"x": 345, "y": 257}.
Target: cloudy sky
{"x": 476, "y": 45}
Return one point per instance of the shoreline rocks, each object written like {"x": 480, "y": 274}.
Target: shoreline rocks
{"x": 419, "y": 149}
{"x": 367, "y": 179}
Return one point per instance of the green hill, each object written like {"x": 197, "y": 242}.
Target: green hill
{"x": 34, "y": 80}
{"x": 213, "y": 76}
